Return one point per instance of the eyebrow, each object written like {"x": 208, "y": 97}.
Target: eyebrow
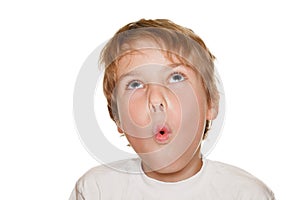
{"x": 129, "y": 74}
{"x": 135, "y": 73}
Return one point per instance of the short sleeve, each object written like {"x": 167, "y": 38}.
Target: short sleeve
{"x": 76, "y": 195}
{"x": 254, "y": 190}
{"x": 86, "y": 188}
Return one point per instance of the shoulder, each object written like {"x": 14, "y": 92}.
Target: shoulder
{"x": 242, "y": 184}
{"x": 113, "y": 167}
{"x": 106, "y": 175}
{"x": 110, "y": 170}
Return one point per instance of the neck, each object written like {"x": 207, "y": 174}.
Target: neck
{"x": 190, "y": 169}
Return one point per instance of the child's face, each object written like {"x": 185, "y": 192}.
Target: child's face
{"x": 162, "y": 109}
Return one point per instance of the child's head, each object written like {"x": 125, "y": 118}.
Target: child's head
{"x": 160, "y": 83}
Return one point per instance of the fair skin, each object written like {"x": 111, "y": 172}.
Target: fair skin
{"x": 162, "y": 108}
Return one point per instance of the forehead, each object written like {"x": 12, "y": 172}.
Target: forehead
{"x": 143, "y": 57}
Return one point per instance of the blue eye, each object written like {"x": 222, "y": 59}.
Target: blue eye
{"x": 134, "y": 85}
{"x": 177, "y": 77}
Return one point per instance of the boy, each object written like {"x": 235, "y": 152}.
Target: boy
{"x": 161, "y": 92}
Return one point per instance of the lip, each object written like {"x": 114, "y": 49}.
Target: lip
{"x": 162, "y": 134}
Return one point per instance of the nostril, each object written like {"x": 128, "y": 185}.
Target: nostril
{"x": 161, "y": 107}
{"x": 157, "y": 107}
{"x": 153, "y": 108}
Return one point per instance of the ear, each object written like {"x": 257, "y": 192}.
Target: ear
{"x": 212, "y": 111}
{"x": 120, "y": 130}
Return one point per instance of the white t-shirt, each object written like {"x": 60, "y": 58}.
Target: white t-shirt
{"x": 214, "y": 181}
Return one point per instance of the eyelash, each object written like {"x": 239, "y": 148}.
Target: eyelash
{"x": 130, "y": 82}
{"x": 179, "y": 73}
{"x": 170, "y": 76}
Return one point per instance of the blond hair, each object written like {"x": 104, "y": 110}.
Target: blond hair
{"x": 176, "y": 41}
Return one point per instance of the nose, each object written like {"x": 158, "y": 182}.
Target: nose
{"x": 157, "y": 107}
{"x": 157, "y": 98}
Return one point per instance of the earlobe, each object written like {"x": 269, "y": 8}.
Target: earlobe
{"x": 120, "y": 130}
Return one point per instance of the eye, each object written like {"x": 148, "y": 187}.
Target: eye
{"x": 134, "y": 85}
{"x": 177, "y": 77}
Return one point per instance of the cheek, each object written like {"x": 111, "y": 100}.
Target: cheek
{"x": 141, "y": 145}
{"x": 132, "y": 108}
{"x": 137, "y": 109}
{"x": 192, "y": 106}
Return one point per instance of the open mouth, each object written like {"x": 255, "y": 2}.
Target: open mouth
{"x": 162, "y": 134}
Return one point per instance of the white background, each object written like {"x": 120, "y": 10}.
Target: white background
{"x": 44, "y": 43}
